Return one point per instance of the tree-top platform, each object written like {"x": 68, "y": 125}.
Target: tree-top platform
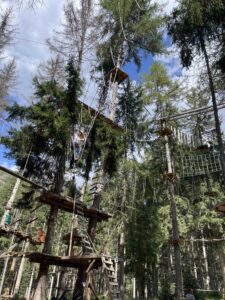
{"x": 100, "y": 116}
{"x": 67, "y": 204}
{"x": 66, "y": 261}
{"x": 116, "y": 75}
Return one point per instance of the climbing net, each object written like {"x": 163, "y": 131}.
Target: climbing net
{"x": 200, "y": 164}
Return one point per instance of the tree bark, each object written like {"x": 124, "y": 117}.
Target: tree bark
{"x": 79, "y": 286}
{"x": 175, "y": 228}
{"x": 121, "y": 252}
{"x": 41, "y": 290}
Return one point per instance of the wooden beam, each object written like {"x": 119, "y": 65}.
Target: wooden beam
{"x": 93, "y": 290}
{"x": 191, "y": 112}
{"x": 90, "y": 266}
{"x": 206, "y": 240}
{"x": 36, "y": 185}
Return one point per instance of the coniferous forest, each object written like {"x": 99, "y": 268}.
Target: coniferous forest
{"x": 112, "y": 169}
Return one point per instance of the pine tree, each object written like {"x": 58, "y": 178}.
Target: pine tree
{"x": 47, "y": 130}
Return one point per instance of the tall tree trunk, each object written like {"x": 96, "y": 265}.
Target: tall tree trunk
{"x": 222, "y": 263}
{"x": 97, "y": 200}
{"x": 28, "y": 292}
{"x": 215, "y": 109}
{"x": 41, "y": 285}
{"x": 20, "y": 271}
{"x": 14, "y": 192}
{"x": 78, "y": 292}
{"x": 154, "y": 280}
{"x": 121, "y": 278}
{"x": 134, "y": 287}
{"x": 175, "y": 228}
{"x": 206, "y": 269}
{"x": 11, "y": 200}
{"x": 6, "y": 262}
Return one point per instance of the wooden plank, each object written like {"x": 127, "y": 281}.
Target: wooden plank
{"x": 191, "y": 112}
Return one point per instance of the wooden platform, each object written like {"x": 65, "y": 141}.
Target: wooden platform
{"x": 166, "y": 131}
{"x": 220, "y": 208}
{"x": 66, "y": 204}
{"x": 116, "y": 75}
{"x": 17, "y": 175}
{"x": 170, "y": 176}
{"x": 100, "y": 116}
{"x": 66, "y": 261}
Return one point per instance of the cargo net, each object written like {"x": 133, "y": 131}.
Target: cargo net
{"x": 200, "y": 164}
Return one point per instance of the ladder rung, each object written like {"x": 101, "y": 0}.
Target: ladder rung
{"x": 113, "y": 283}
{"x": 111, "y": 276}
{"x": 109, "y": 269}
{"x": 109, "y": 262}
{"x": 88, "y": 248}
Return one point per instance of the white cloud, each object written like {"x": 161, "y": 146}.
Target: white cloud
{"x": 29, "y": 48}
{"x": 10, "y": 166}
{"x": 167, "y": 5}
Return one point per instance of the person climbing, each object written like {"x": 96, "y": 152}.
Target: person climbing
{"x": 7, "y": 217}
{"x": 78, "y": 140}
{"x": 41, "y": 236}
{"x": 190, "y": 295}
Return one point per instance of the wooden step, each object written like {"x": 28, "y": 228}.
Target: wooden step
{"x": 107, "y": 262}
{"x": 113, "y": 283}
{"x": 109, "y": 269}
{"x": 111, "y": 276}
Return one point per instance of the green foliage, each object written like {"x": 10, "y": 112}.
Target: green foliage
{"x": 128, "y": 27}
{"x": 130, "y": 112}
{"x": 193, "y": 23}
{"x": 46, "y": 127}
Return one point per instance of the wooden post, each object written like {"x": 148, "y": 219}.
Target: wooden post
{"x": 175, "y": 228}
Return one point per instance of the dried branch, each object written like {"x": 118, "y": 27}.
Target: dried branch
{"x": 7, "y": 82}
{"x": 30, "y": 3}
{"x": 7, "y": 30}
{"x": 53, "y": 69}
{"x": 77, "y": 33}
